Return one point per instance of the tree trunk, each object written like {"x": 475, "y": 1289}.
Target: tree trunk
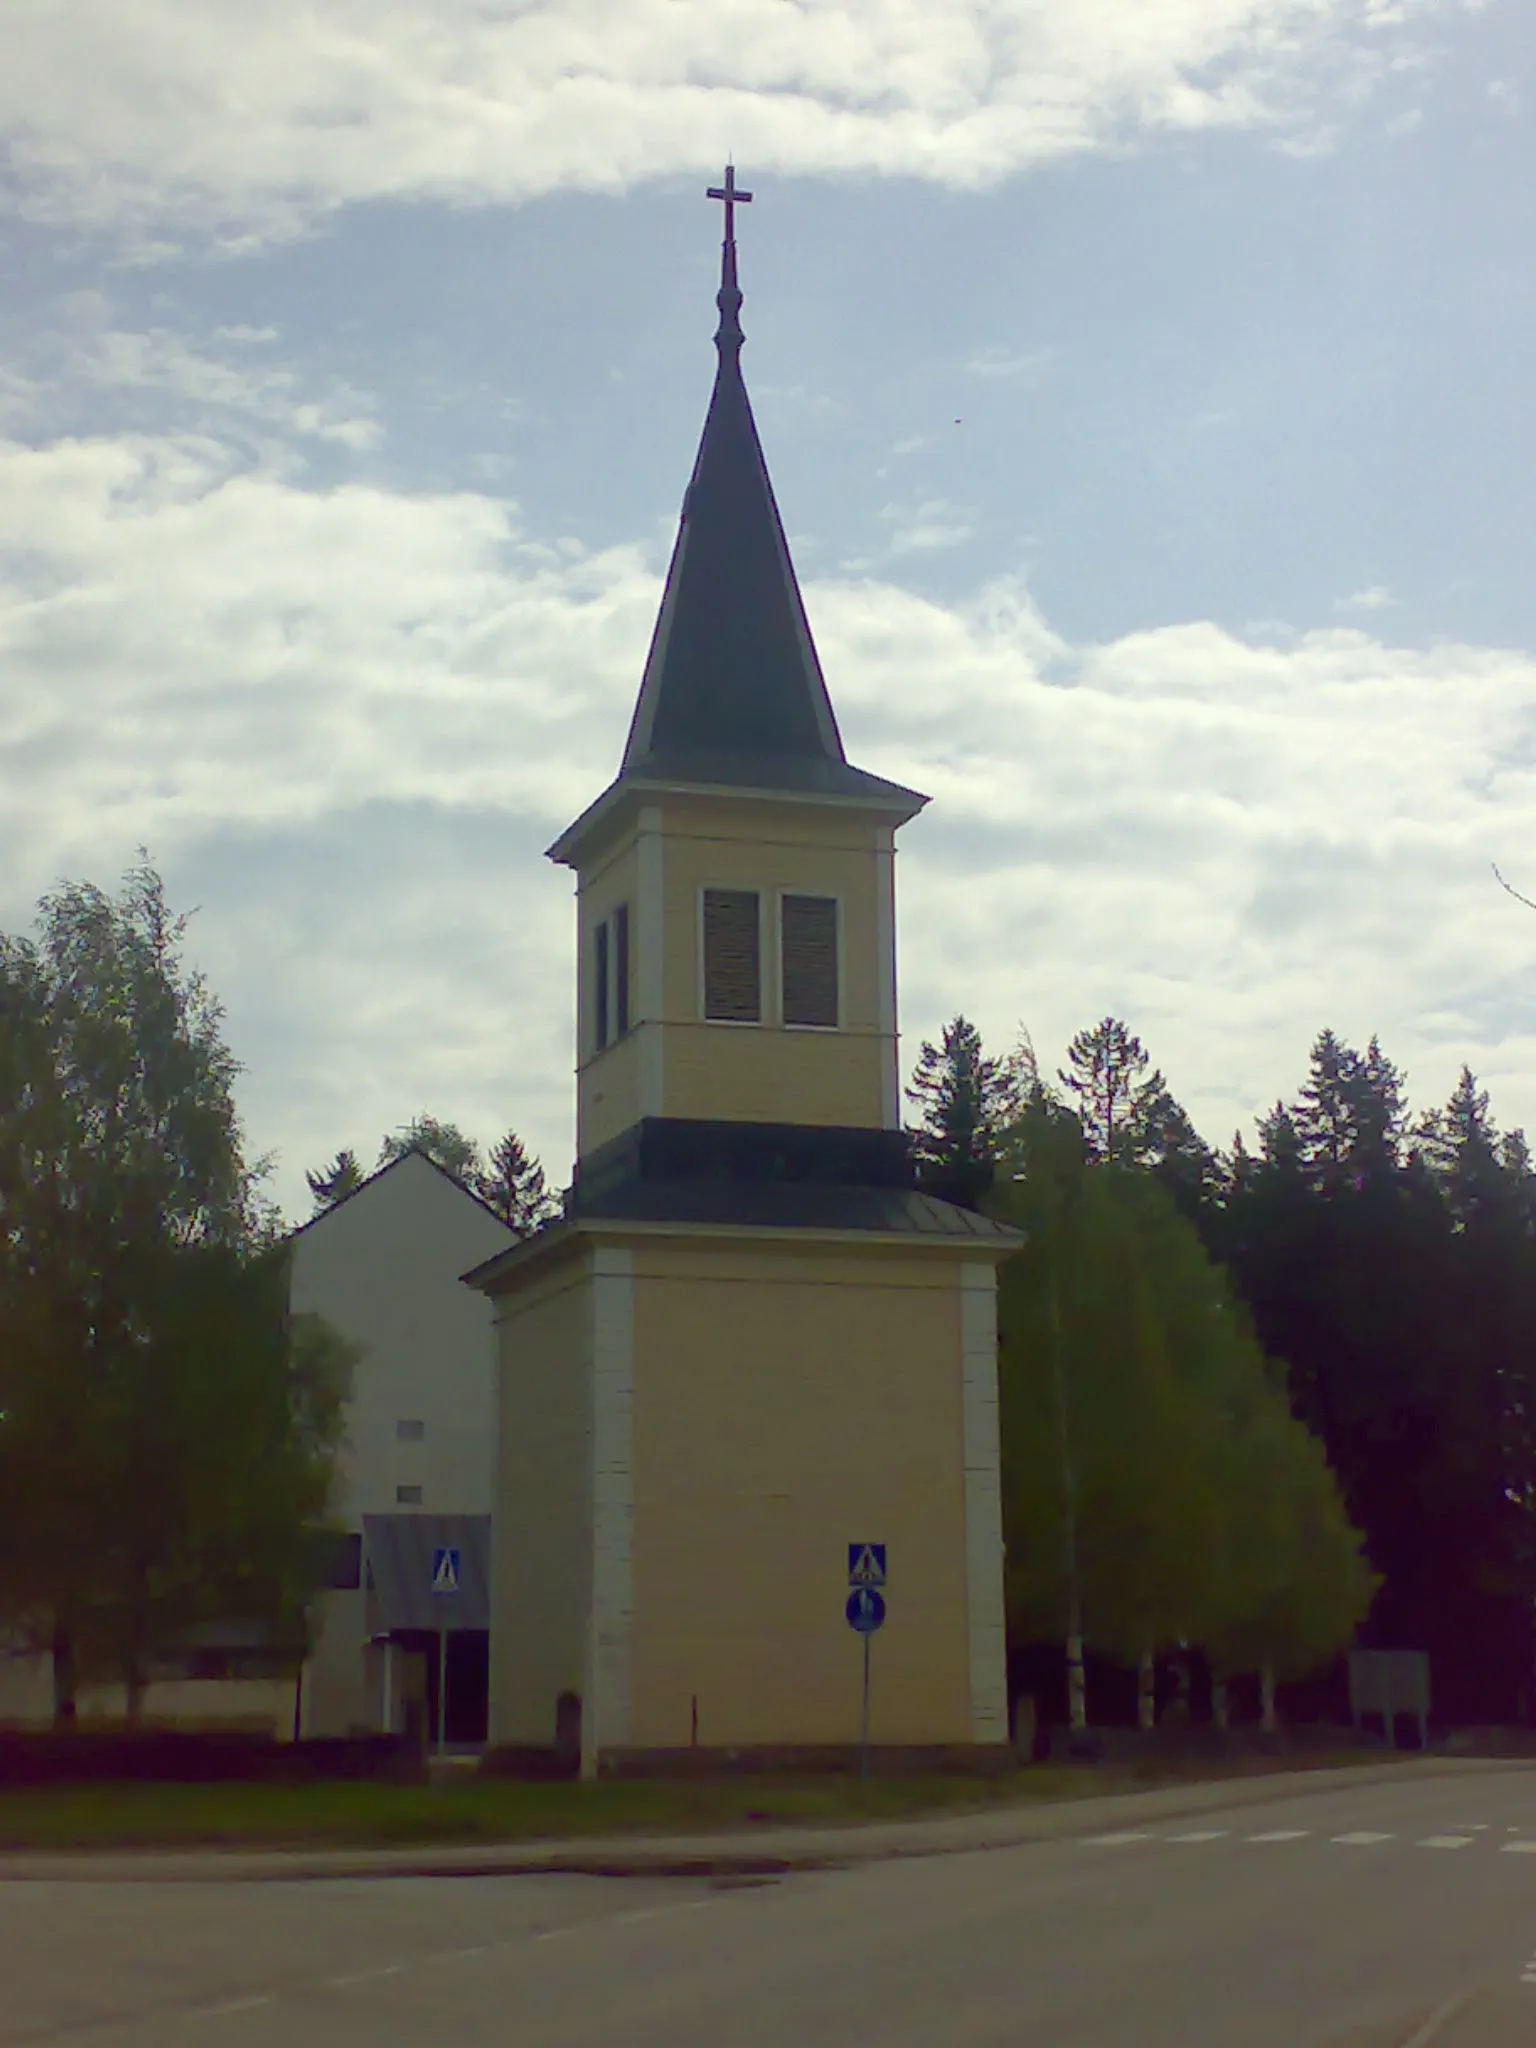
{"x": 64, "y": 1711}
{"x": 1219, "y": 1708}
{"x": 1077, "y": 1676}
{"x": 1146, "y": 1691}
{"x": 1268, "y": 1720}
{"x": 134, "y": 1688}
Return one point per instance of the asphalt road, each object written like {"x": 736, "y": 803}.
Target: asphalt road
{"x": 1370, "y": 1917}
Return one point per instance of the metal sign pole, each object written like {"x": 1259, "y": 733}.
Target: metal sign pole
{"x": 864, "y": 1747}
{"x": 865, "y": 1612}
{"x": 442, "y": 1689}
{"x": 447, "y": 1576}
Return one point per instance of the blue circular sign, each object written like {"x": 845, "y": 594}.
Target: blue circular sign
{"x": 865, "y": 1610}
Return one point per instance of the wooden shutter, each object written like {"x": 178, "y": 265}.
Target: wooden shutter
{"x": 808, "y": 951}
{"x": 621, "y": 969}
{"x": 600, "y": 985}
{"x": 732, "y": 970}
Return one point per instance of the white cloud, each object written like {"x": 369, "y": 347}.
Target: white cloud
{"x": 255, "y": 120}
{"x": 1006, "y": 365}
{"x": 155, "y": 378}
{"x": 347, "y": 721}
{"x": 919, "y": 529}
{"x": 1374, "y": 598}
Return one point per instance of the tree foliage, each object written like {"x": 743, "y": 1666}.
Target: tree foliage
{"x": 1393, "y": 1265}
{"x": 333, "y": 1183}
{"x": 967, "y": 1099}
{"x": 508, "y": 1179}
{"x": 1135, "y": 1400}
{"x": 1129, "y": 1116}
{"x": 166, "y": 1434}
{"x": 513, "y": 1184}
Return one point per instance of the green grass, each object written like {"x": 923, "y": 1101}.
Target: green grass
{"x": 101, "y": 1817}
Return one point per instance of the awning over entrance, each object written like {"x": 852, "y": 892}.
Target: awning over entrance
{"x": 427, "y": 1572}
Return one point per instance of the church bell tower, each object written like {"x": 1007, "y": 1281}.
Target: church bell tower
{"x": 735, "y": 882}
{"x": 752, "y": 1337}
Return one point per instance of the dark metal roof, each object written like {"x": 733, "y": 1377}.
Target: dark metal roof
{"x": 761, "y": 1205}
{"x": 780, "y": 1205}
{"x": 733, "y": 692}
{"x": 400, "y": 1550}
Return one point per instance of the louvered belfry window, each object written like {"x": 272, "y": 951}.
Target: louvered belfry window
{"x": 808, "y": 950}
{"x": 733, "y": 982}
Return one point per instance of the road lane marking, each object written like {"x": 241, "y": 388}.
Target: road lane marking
{"x": 1446, "y": 1841}
{"x": 365, "y": 1976}
{"x": 1434, "y": 2026}
{"x": 1199, "y": 1835}
{"x": 1281, "y": 1835}
{"x": 1524, "y": 1848}
{"x": 1115, "y": 1841}
{"x": 1362, "y": 1837}
{"x": 231, "y": 2006}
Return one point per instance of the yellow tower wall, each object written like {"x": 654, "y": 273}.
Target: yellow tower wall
{"x": 542, "y": 1530}
{"x": 786, "y": 1404}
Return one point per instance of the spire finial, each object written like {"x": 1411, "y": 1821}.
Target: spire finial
{"x": 728, "y": 298}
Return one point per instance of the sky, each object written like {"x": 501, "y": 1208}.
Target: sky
{"x": 1146, "y": 389}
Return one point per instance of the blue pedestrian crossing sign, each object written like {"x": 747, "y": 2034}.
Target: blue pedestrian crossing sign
{"x": 865, "y": 1610}
{"x": 866, "y": 1564}
{"x": 445, "y": 1569}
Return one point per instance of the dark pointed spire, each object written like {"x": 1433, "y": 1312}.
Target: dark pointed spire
{"x": 733, "y": 691}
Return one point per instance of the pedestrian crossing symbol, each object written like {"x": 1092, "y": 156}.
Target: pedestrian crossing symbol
{"x": 445, "y": 1570}
{"x": 866, "y": 1564}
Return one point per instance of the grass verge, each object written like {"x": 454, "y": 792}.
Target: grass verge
{"x": 105, "y": 1817}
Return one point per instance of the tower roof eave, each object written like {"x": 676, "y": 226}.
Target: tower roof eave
{"x": 795, "y": 782}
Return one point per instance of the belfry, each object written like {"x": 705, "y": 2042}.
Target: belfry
{"x": 751, "y": 1342}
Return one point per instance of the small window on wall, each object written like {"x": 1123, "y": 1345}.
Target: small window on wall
{"x": 732, "y": 966}
{"x": 621, "y": 969}
{"x": 410, "y": 1429}
{"x": 408, "y": 1496}
{"x": 808, "y": 957}
{"x": 600, "y": 985}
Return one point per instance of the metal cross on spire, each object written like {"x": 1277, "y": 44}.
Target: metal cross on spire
{"x": 728, "y": 336}
{"x": 730, "y": 192}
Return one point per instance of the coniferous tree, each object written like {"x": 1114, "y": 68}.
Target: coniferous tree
{"x": 967, "y": 1100}
{"x": 513, "y": 1184}
{"x": 333, "y": 1183}
{"x": 1107, "y": 1080}
{"x": 1394, "y": 1269}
